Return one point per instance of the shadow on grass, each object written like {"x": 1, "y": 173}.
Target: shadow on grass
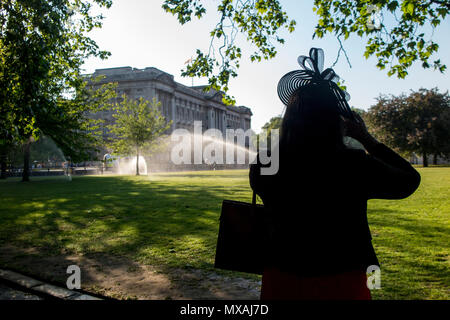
{"x": 171, "y": 224}
{"x": 403, "y": 219}
{"x": 414, "y": 251}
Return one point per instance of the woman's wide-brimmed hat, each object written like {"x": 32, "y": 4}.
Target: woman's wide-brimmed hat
{"x": 312, "y": 73}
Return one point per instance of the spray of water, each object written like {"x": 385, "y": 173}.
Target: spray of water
{"x": 127, "y": 165}
{"x": 202, "y": 151}
{"x": 44, "y": 154}
{"x": 225, "y": 145}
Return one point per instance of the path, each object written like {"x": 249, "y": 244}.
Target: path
{"x": 8, "y": 293}
{"x": 123, "y": 278}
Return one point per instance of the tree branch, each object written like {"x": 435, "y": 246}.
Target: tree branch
{"x": 341, "y": 49}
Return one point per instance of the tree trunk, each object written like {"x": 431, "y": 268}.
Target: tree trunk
{"x": 3, "y": 165}
{"x": 425, "y": 159}
{"x": 435, "y": 159}
{"x": 137, "y": 161}
{"x": 26, "y": 161}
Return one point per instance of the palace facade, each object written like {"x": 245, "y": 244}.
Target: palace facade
{"x": 181, "y": 104}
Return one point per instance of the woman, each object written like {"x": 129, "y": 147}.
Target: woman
{"x": 319, "y": 241}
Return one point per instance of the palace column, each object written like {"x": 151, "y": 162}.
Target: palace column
{"x": 174, "y": 114}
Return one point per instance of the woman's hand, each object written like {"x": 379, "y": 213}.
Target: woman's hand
{"x": 357, "y": 130}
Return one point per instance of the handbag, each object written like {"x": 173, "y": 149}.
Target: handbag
{"x": 242, "y": 236}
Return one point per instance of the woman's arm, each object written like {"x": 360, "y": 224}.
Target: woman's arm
{"x": 386, "y": 174}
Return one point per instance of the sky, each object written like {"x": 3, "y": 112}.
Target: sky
{"x": 139, "y": 33}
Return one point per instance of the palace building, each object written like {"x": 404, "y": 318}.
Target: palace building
{"x": 181, "y": 104}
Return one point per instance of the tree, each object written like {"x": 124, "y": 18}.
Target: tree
{"x": 413, "y": 123}
{"x": 45, "y": 149}
{"x": 259, "y": 20}
{"x": 274, "y": 123}
{"x": 81, "y": 136}
{"x": 82, "y": 132}
{"x": 264, "y": 140}
{"x": 3, "y": 159}
{"x": 431, "y": 130}
{"x": 396, "y": 45}
{"x": 137, "y": 124}
{"x": 441, "y": 133}
{"x": 42, "y": 47}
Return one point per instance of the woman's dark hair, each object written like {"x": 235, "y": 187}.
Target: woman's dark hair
{"x": 311, "y": 123}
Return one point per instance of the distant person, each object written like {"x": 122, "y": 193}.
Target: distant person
{"x": 319, "y": 244}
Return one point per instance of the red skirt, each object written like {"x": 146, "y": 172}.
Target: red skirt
{"x": 279, "y": 285}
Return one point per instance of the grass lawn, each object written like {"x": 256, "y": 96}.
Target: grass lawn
{"x": 171, "y": 220}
